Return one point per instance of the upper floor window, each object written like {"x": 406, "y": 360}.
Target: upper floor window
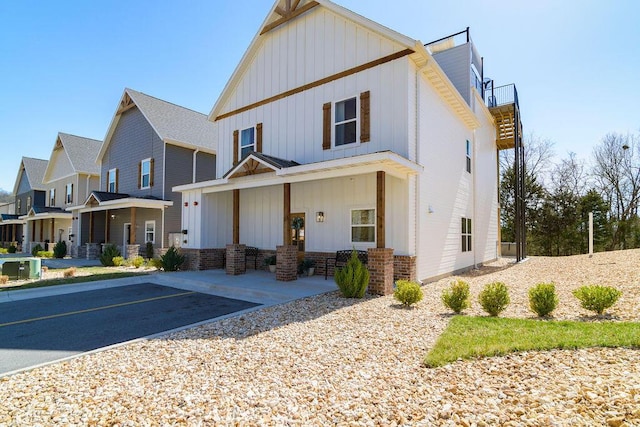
{"x": 112, "y": 181}
{"x": 28, "y": 203}
{"x": 466, "y": 235}
{"x": 468, "y": 156}
{"x": 69, "y": 193}
{"x": 363, "y": 225}
{"x": 145, "y": 174}
{"x": 345, "y": 122}
{"x": 247, "y": 141}
{"x": 52, "y": 197}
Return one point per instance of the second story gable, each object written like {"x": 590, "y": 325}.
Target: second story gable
{"x": 152, "y": 145}
{"x": 28, "y": 189}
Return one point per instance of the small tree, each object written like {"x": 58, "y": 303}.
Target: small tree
{"x": 60, "y": 249}
{"x": 37, "y": 248}
{"x": 353, "y": 278}
{"x": 172, "y": 260}
{"x": 106, "y": 257}
{"x": 149, "y": 250}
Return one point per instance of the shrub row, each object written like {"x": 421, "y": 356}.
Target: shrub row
{"x": 170, "y": 261}
{"x": 543, "y": 299}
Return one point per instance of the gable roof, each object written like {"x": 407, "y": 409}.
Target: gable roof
{"x": 34, "y": 170}
{"x": 174, "y": 124}
{"x": 81, "y": 152}
{"x": 276, "y": 14}
{"x": 255, "y": 163}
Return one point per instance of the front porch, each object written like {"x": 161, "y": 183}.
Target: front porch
{"x": 298, "y": 213}
{"x": 11, "y": 231}
{"x": 45, "y": 226}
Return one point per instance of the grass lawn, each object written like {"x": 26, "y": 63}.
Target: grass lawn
{"x": 83, "y": 274}
{"x": 468, "y": 337}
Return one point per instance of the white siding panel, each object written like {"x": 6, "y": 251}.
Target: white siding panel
{"x": 61, "y": 166}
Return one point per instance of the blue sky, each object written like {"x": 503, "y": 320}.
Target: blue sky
{"x": 64, "y": 65}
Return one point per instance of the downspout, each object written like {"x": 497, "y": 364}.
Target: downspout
{"x": 195, "y": 156}
{"x": 416, "y": 244}
{"x": 474, "y": 148}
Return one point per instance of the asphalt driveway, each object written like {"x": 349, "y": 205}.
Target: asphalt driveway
{"x": 40, "y": 330}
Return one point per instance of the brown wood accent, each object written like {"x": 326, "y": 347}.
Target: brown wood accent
{"x": 132, "y": 230}
{"x": 286, "y": 221}
{"x": 107, "y": 224}
{"x": 259, "y": 137}
{"x": 252, "y": 172}
{"x": 71, "y": 201}
{"x": 236, "y": 217}
{"x": 365, "y": 120}
{"x": 33, "y": 231}
{"x": 380, "y": 209}
{"x": 117, "y": 179}
{"x": 53, "y": 231}
{"x": 236, "y": 134}
{"x": 139, "y": 174}
{"x": 289, "y": 16}
{"x": 151, "y": 167}
{"x": 326, "y": 126}
{"x": 125, "y": 104}
{"x": 320, "y": 82}
{"x": 91, "y": 227}
{"x": 106, "y": 182}
{"x": 295, "y": 4}
{"x": 41, "y": 231}
{"x": 280, "y": 11}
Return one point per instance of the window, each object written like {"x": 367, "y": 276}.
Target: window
{"x": 69, "y": 193}
{"x": 466, "y": 234}
{"x": 28, "y": 203}
{"x": 346, "y": 122}
{"x": 363, "y": 225}
{"x": 468, "y": 156}
{"x": 52, "y": 197}
{"x": 145, "y": 173}
{"x": 247, "y": 141}
{"x": 150, "y": 231}
{"x": 112, "y": 181}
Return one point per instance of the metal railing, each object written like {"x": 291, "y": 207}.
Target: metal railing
{"x": 501, "y": 95}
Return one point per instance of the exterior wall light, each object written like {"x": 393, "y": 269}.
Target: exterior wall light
{"x": 186, "y": 204}
{"x": 195, "y": 203}
{"x": 319, "y": 216}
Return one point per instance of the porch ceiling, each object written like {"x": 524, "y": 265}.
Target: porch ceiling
{"x": 387, "y": 161}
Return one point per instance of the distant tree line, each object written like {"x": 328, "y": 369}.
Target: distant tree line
{"x": 5, "y": 196}
{"x": 560, "y": 195}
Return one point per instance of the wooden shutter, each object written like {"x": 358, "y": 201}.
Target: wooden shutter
{"x": 326, "y": 126}
{"x": 139, "y": 174}
{"x": 259, "y": 138}
{"x": 117, "y": 181}
{"x": 151, "y": 163}
{"x": 365, "y": 121}
{"x": 235, "y": 147}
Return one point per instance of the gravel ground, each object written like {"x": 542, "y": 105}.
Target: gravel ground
{"x": 330, "y": 361}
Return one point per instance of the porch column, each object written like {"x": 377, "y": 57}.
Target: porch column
{"x": 53, "y": 230}
{"x": 41, "y": 230}
{"x": 132, "y": 231}
{"x": 4, "y": 233}
{"x": 106, "y": 226}
{"x": 236, "y": 261}
{"x": 90, "y": 227}
{"x": 287, "y": 215}
{"x": 380, "y": 209}
{"x": 33, "y": 231}
{"x": 236, "y": 217}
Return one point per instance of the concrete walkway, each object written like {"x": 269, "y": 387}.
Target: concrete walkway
{"x": 259, "y": 287}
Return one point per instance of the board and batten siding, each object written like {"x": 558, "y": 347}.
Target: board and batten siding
{"x": 132, "y": 141}
{"x": 310, "y": 48}
{"x": 178, "y": 171}
{"x": 445, "y": 187}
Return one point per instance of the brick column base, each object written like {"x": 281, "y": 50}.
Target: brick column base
{"x": 286, "y": 263}
{"x": 132, "y": 251}
{"x": 235, "y": 260}
{"x": 93, "y": 251}
{"x": 380, "y": 265}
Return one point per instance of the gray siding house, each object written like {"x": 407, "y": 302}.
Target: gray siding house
{"x": 29, "y": 192}
{"x": 71, "y": 174}
{"x": 150, "y": 147}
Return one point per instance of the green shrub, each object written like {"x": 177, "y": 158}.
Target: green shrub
{"x": 408, "y": 292}
{"x": 270, "y": 260}
{"x": 12, "y": 249}
{"x": 44, "y": 254}
{"x": 3, "y": 250}
{"x": 117, "y": 261}
{"x": 37, "y": 248}
{"x": 494, "y": 298}
{"x": 60, "y": 249}
{"x": 353, "y": 278}
{"x": 596, "y": 297}
{"x": 543, "y": 299}
{"x": 172, "y": 260}
{"x": 148, "y": 251}
{"x": 108, "y": 253}
{"x": 137, "y": 261}
{"x": 456, "y": 297}
{"x": 155, "y": 262}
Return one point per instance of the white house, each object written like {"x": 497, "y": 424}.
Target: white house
{"x": 377, "y": 142}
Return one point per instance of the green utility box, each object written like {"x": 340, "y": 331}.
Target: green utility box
{"x": 21, "y": 268}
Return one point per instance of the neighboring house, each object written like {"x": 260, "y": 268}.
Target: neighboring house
{"x": 7, "y": 233}
{"x": 150, "y": 147}
{"x": 29, "y": 192}
{"x": 70, "y": 176}
{"x": 360, "y": 132}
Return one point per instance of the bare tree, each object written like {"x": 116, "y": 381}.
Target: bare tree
{"x": 538, "y": 156}
{"x": 616, "y": 171}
